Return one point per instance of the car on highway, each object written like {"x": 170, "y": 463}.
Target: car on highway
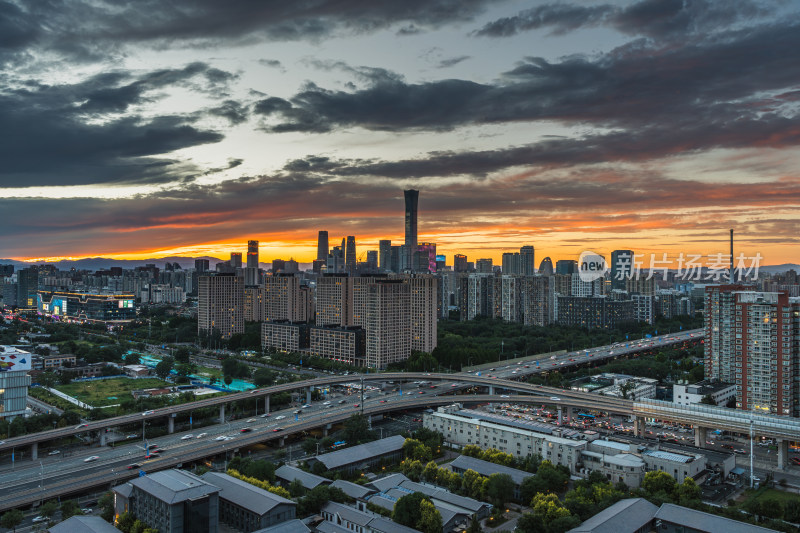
{"x": 326, "y": 403}
{"x": 555, "y": 398}
{"x": 278, "y": 429}
{"x": 54, "y": 452}
{"x": 221, "y": 437}
{"x": 201, "y": 435}
{"x": 245, "y": 430}
{"x": 131, "y": 436}
{"x": 342, "y": 401}
{"x": 150, "y": 456}
{"x": 187, "y": 436}
{"x": 306, "y": 405}
{"x": 251, "y": 420}
{"x": 265, "y": 415}
{"x": 39, "y": 519}
{"x": 356, "y": 406}
{"x": 79, "y": 426}
{"x": 147, "y": 413}
{"x": 132, "y": 466}
{"x": 383, "y": 401}
{"x": 90, "y": 459}
{"x": 281, "y": 417}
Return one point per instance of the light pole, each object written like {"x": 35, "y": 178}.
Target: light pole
{"x": 41, "y": 479}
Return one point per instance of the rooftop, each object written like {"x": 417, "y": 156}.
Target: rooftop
{"x": 352, "y": 489}
{"x": 243, "y": 494}
{"x": 173, "y": 486}
{"x": 349, "y": 456}
{"x": 308, "y": 480}
{"x": 84, "y": 524}
{"x": 669, "y": 456}
{"x": 485, "y": 468}
{"x": 706, "y": 522}
{"x": 622, "y": 517}
{"x": 290, "y": 526}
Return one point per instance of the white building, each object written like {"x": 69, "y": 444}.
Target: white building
{"x": 721, "y": 393}
{"x": 14, "y": 381}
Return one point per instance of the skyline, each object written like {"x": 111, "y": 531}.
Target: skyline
{"x": 148, "y": 131}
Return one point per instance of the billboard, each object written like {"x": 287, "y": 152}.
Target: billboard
{"x": 12, "y": 360}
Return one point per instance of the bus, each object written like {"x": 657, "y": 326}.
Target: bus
{"x": 585, "y": 416}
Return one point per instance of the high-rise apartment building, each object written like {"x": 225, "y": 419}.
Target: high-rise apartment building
{"x": 538, "y": 305}
{"x": 621, "y": 267}
{"x": 587, "y": 288}
{"x": 322, "y": 246}
{"x": 484, "y": 266}
{"x": 566, "y": 266}
{"x": 220, "y": 305}
{"x": 459, "y": 263}
{"x": 334, "y": 300}
{"x": 412, "y": 203}
{"x": 388, "y": 326}
{"x": 278, "y": 265}
{"x": 27, "y": 287}
{"x": 423, "y": 311}
{"x": 753, "y": 341}
{"x": 282, "y": 298}
{"x": 350, "y": 258}
{"x": 527, "y": 261}
{"x": 201, "y": 265}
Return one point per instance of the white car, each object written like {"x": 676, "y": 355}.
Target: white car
{"x": 90, "y": 459}
{"x": 555, "y": 398}
{"x": 187, "y": 436}
{"x": 326, "y": 403}
{"x": 221, "y": 437}
{"x": 39, "y": 519}
{"x": 201, "y": 435}
{"x": 147, "y": 413}
{"x": 251, "y": 420}
{"x": 86, "y": 511}
{"x": 281, "y": 417}
{"x": 54, "y": 452}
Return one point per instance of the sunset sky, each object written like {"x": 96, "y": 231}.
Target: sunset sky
{"x": 155, "y": 128}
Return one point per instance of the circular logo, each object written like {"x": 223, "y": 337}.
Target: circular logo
{"x": 591, "y": 266}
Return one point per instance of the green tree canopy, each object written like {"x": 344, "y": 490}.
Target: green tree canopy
{"x": 407, "y": 509}
{"x": 500, "y": 489}
{"x": 658, "y": 481}
{"x": 430, "y": 519}
{"x": 164, "y": 367}
{"x": 11, "y": 519}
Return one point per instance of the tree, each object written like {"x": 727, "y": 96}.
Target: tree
{"x": 430, "y": 472}
{"x": 406, "y": 509}
{"x": 182, "y": 355}
{"x": 310, "y": 446}
{"x": 658, "y": 481}
{"x": 500, "y": 489}
{"x": 69, "y": 508}
{"x": 688, "y": 492}
{"x": 319, "y": 496}
{"x": 530, "y": 523}
{"x": 49, "y": 508}
{"x": 552, "y": 513}
{"x": 47, "y": 379}
{"x": 430, "y": 519}
{"x": 474, "y": 526}
{"x": 263, "y": 377}
{"x": 132, "y": 358}
{"x": 356, "y": 429}
{"x": 11, "y": 519}
{"x": 125, "y": 522}
{"x": 106, "y": 504}
{"x": 296, "y": 488}
{"x": 164, "y": 367}
{"x": 185, "y": 369}
{"x": 472, "y": 483}
{"x": 228, "y": 380}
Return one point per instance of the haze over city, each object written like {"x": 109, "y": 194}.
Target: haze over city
{"x": 154, "y": 130}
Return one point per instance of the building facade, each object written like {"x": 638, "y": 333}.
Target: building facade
{"x": 220, "y": 305}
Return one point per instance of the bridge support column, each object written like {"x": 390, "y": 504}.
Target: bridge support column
{"x": 308, "y": 394}
{"x": 491, "y": 390}
{"x": 281, "y": 442}
{"x": 34, "y": 451}
{"x": 222, "y": 414}
{"x": 700, "y": 437}
{"x": 559, "y": 415}
{"x": 569, "y": 413}
{"x": 103, "y": 438}
{"x": 638, "y": 427}
{"x": 325, "y": 430}
{"x": 170, "y": 425}
{"x": 783, "y": 453}
{"x": 266, "y": 404}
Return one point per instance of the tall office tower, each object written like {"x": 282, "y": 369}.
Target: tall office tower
{"x": 394, "y": 264}
{"x": 322, "y": 246}
{"x": 27, "y": 287}
{"x": 372, "y": 260}
{"x": 251, "y": 271}
{"x": 755, "y": 344}
{"x": 201, "y": 265}
{"x": 385, "y": 255}
{"x": 14, "y": 382}
{"x": 527, "y": 260}
{"x": 334, "y": 300}
{"x": 236, "y": 260}
{"x": 587, "y": 288}
{"x": 388, "y": 323}
{"x": 278, "y": 265}
{"x": 546, "y": 267}
{"x": 350, "y": 258}
{"x": 566, "y": 266}
{"x": 423, "y": 311}
{"x": 511, "y": 264}
{"x": 220, "y": 305}
{"x": 335, "y": 261}
{"x": 441, "y": 262}
{"x": 621, "y": 268}
{"x": 459, "y": 263}
{"x": 538, "y": 300}
{"x": 281, "y": 296}
{"x": 484, "y": 266}
{"x": 425, "y": 258}
{"x": 412, "y": 201}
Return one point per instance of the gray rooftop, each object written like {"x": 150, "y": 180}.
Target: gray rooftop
{"x": 348, "y": 456}
{"x": 290, "y": 526}
{"x": 385, "y": 483}
{"x": 173, "y": 486}
{"x": 307, "y": 479}
{"x": 353, "y": 490}
{"x": 351, "y": 514}
{"x": 330, "y": 527}
{"x": 384, "y": 525}
{"x": 84, "y": 524}
{"x": 434, "y": 493}
{"x": 243, "y": 494}
{"x": 485, "y": 468}
{"x": 669, "y": 456}
{"x": 368, "y": 520}
{"x": 700, "y": 521}
{"x": 625, "y": 516}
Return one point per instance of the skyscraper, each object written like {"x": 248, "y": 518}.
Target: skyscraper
{"x": 459, "y": 263}
{"x": 621, "y": 268}
{"x": 385, "y": 255}
{"x": 526, "y": 260}
{"x": 566, "y": 266}
{"x": 220, "y": 305}
{"x": 251, "y": 272}
{"x": 546, "y": 267}
{"x": 322, "y": 246}
{"x": 236, "y": 259}
{"x": 350, "y": 255}
{"x": 412, "y": 201}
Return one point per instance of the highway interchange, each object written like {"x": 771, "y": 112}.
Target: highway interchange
{"x": 61, "y": 474}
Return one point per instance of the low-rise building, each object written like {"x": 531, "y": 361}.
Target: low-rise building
{"x": 286, "y": 474}
{"x": 462, "y": 463}
{"x": 83, "y": 524}
{"x": 246, "y": 507}
{"x": 671, "y": 518}
{"x": 136, "y": 371}
{"x": 290, "y": 526}
{"x": 171, "y": 501}
{"x": 363, "y": 456}
{"x": 353, "y": 520}
{"x": 632, "y": 515}
{"x": 721, "y": 393}
{"x": 678, "y": 465}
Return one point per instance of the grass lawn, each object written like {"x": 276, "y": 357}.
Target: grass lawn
{"x": 787, "y": 498}
{"x": 98, "y": 393}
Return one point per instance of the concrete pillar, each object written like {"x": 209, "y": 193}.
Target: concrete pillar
{"x": 642, "y": 426}
{"x": 700, "y": 437}
{"x": 266, "y": 403}
{"x": 222, "y": 414}
{"x": 783, "y": 453}
{"x": 308, "y": 394}
{"x": 559, "y": 415}
{"x": 170, "y": 425}
{"x": 34, "y": 451}
{"x": 281, "y": 442}
{"x": 491, "y": 390}
{"x": 325, "y": 430}
{"x": 103, "y": 438}
{"x": 568, "y": 413}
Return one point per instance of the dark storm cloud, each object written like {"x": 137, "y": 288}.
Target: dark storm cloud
{"x": 233, "y": 111}
{"x": 660, "y": 19}
{"x": 638, "y": 86}
{"x": 47, "y": 140}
